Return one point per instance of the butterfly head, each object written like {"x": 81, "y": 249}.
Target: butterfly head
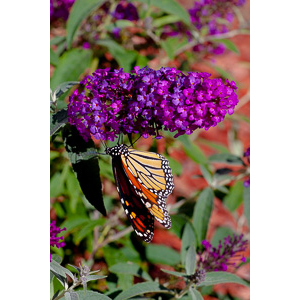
{"x": 116, "y": 150}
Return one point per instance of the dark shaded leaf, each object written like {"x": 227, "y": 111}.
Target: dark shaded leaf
{"x": 58, "y": 120}
{"x": 86, "y": 168}
{"x": 140, "y": 289}
{"x": 79, "y": 11}
{"x": 223, "y": 171}
{"x": 202, "y": 213}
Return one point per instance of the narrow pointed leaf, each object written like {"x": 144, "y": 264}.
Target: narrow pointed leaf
{"x": 191, "y": 150}
{"x": 235, "y": 196}
{"x": 140, "y": 289}
{"x": 188, "y": 239}
{"x": 246, "y": 197}
{"x": 79, "y": 11}
{"x": 202, "y": 213}
{"x": 94, "y": 277}
{"x": 177, "y": 274}
{"x": 190, "y": 261}
{"x": 213, "y": 278}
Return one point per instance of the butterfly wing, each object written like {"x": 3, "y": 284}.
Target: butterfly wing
{"x": 151, "y": 177}
{"x": 141, "y": 219}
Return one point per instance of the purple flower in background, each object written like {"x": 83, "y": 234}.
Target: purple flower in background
{"x": 147, "y": 101}
{"x": 59, "y": 9}
{"x": 209, "y": 17}
{"x": 54, "y": 240}
{"x": 126, "y": 11}
{"x": 247, "y": 155}
{"x": 228, "y": 250}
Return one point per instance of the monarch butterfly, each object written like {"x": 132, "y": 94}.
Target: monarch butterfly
{"x": 144, "y": 180}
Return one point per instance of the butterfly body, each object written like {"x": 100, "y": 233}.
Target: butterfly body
{"x": 144, "y": 180}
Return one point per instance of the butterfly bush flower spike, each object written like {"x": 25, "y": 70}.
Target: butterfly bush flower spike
{"x": 54, "y": 239}
{"x": 147, "y": 101}
{"x": 218, "y": 259}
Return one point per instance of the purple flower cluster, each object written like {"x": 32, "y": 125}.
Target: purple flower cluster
{"x": 54, "y": 240}
{"x": 59, "y": 9}
{"x": 247, "y": 155}
{"x": 126, "y": 11}
{"x": 205, "y": 16}
{"x": 90, "y": 32}
{"x": 218, "y": 259}
{"x": 147, "y": 101}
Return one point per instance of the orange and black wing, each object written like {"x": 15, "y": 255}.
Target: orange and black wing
{"x": 150, "y": 175}
{"x": 141, "y": 219}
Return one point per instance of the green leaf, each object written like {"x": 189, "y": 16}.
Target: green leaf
{"x": 63, "y": 87}
{"x": 172, "y": 7}
{"x": 90, "y": 295}
{"x": 56, "y": 268}
{"x": 71, "y": 295}
{"x": 195, "y": 295}
{"x": 202, "y": 212}
{"x": 220, "y": 234}
{"x": 130, "y": 268}
{"x": 56, "y": 258}
{"x": 176, "y": 167}
{"x": 177, "y": 274}
{"x": 214, "y": 145}
{"x": 228, "y": 44}
{"x": 86, "y": 167}
{"x": 227, "y": 158}
{"x": 73, "y": 191}
{"x": 54, "y": 59}
{"x": 74, "y": 222}
{"x": 235, "y": 196}
{"x": 172, "y": 44}
{"x": 140, "y": 289}
{"x": 213, "y": 278}
{"x": 222, "y": 72}
{"x": 57, "y": 40}
{"x": 124, "y": 57}
{"x": 71, "y": 65}
{"x": 188, "y": 238}
{"x": 79, "y": 11}
{"x": 206, "y": 174}
{"x": 169, "y": 19}
{"x": 141, "y": 61}
{"x": 246, "y": 198}
{"x": 87, "y": 229}
{"x": 58, "y": 120}
{"x": 162, "y": 255}
{"x": 94, "y": 277}
{"x": 191, "y": 150}
{"x": 178, "y": 222}
{"x": 190, "y": 261}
